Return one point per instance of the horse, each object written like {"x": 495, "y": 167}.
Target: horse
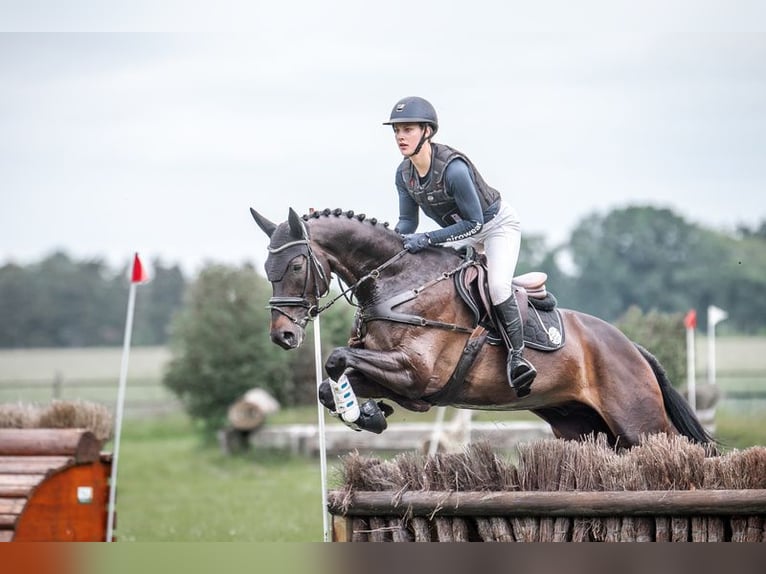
{"x": 412, "y": 333}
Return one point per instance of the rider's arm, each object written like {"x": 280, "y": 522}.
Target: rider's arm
{"x": 408, "y": 209}
{"x": 458, "y": 183}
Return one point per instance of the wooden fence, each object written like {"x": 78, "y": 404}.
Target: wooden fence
{"x": 665, "y": 490}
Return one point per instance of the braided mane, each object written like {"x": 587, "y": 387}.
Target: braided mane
{"x": 339, "y": 212}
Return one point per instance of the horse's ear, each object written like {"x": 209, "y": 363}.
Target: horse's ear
{"x": 297, "y": 229}
{"x": 267, "y": 226}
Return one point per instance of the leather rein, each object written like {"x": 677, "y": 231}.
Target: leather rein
{"x": 382, "y": 310}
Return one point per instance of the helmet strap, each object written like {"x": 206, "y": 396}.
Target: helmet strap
{"x": 423, "y": 140}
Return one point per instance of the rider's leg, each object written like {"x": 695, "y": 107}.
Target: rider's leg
{"x": 520, "y": 372}
{"x": 502, "y": 243}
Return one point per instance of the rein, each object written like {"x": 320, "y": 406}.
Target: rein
{"x": 313, "y": 311}
{"x": 374, "y": 274}
{"x": 382, "y": 310}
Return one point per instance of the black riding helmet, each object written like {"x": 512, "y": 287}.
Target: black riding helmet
{"x": 414, "y": 110}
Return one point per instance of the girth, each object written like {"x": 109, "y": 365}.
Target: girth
{"x": 545, "y": 332}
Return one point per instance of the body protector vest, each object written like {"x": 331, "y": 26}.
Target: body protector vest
{"x": 432, "y": 196}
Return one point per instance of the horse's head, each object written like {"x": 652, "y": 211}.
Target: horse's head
{"x": 297, "y": 277}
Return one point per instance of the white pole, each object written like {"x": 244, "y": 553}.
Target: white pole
{"x": 120, "y": 410}
{"x": 436, "y": 434}
{"x": 691, "y": 377}
{"x": 710, "y": 352}
{"x": 321, "y": 429}
{"x": 714, "y": 316}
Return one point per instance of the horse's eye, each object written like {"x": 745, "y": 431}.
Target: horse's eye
{"x": 297, "y": 267}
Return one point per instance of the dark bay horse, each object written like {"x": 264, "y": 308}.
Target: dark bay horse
{"x": 597, "y": 382}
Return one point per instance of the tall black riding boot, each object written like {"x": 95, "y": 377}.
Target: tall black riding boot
{"x": 520, "y": 372}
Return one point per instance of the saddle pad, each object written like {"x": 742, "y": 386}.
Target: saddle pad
{"x": 543, "y": 331}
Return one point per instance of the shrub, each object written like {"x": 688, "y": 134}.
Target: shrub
{"x": 221, "y": 348}
{"x": 662, "y": 334}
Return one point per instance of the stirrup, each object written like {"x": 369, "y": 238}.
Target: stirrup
{"x": 522, "y": 383}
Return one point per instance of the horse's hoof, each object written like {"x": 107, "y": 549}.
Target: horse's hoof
{"x": 325, "y": 396}
{"x": 387, "y": 409}
{"x": 372, "y": 417}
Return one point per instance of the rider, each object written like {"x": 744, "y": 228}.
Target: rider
{"x": 449, "y": 189}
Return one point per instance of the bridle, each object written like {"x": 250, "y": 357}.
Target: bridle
{"x": 316, "y": 268}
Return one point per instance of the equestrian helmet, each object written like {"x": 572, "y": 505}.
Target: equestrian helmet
{"x": 414, "y": 110}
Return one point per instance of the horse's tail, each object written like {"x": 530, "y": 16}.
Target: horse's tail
{"x": 681, "y": 414}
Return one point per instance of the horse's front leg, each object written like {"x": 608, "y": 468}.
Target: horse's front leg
{"x": 375, "y": 374}
{"x": 396, "y": 371}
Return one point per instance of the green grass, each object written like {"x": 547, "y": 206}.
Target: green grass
{"x": 173, "y": 487}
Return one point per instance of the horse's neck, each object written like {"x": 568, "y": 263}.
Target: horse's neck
{"x": 354, "y": 251}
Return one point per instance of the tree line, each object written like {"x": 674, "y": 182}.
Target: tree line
{"x": 641, "y": 268}
{"x": 61, "y": 302}
{"x": 642, "y": 256}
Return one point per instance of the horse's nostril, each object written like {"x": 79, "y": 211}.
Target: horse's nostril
{"x": 286, "y": 339}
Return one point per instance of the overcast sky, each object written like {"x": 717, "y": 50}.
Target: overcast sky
{"x": 153, "y": 127}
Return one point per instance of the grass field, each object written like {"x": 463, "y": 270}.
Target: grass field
{"x": 172, "y": 486}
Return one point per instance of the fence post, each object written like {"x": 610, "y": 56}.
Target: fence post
{"x": 58, "y": 382}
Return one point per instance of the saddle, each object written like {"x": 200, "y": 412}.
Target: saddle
{"x": 543, "y": 327}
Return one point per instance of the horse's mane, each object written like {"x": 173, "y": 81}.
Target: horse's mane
{"x": 361, "y": 217}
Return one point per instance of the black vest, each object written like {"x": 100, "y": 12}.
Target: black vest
{"x": 432, "y": 197}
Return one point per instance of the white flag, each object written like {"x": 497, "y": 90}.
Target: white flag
{"x": 715, "y": 315}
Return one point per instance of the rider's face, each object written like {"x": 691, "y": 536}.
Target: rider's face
{"x": 407, "y": 137}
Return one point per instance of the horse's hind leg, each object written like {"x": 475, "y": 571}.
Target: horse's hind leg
{"x": 642, "y": 414}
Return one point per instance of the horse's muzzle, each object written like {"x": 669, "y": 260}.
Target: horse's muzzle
{"x": 288, "y": 336}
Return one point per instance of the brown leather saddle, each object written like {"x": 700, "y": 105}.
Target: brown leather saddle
{"x": 543, "y": 327}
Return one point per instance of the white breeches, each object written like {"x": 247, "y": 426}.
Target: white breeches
{"x": 500, "y": 241}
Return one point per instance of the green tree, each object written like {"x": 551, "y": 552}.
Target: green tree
{"x": 160, "y": 299}
{"x": 535, "y": 255}
{"x": 221, "y": 348}
{"x": 57, "y": 303}
{"x": 654, "y": 259}
{"x": 13, "y": 304}
{"x": 60, "y": 302}
{"x": 633, "y": 256}
{"x": 662, "y": 334}
{"x": 739, "y": 279}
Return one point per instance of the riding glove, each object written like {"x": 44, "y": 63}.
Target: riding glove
{"x": 415, "y": 242}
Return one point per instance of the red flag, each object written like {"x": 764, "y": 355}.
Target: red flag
{"x": 690, "y": 321}
{"x": 139, "y": 273}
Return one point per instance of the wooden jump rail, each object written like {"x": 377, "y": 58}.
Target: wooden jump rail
{"x": 414, "y": 516}
{"x": 53, "y": 485}
{"x": 602, "y": 503}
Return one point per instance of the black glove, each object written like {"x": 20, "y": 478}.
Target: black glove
{"x": 415, "y": 242}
